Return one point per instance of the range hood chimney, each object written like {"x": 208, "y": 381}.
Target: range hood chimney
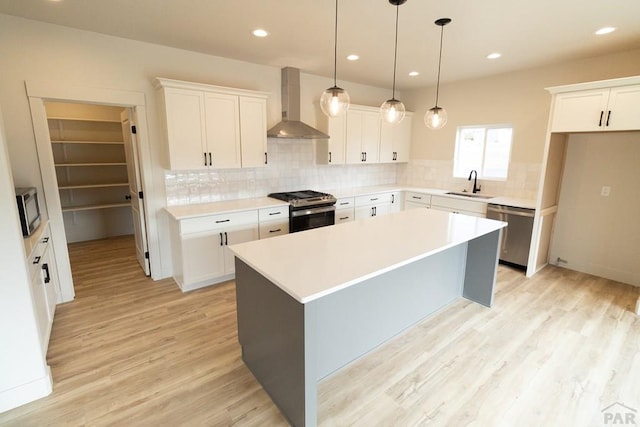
{"x": 291, "y": 127}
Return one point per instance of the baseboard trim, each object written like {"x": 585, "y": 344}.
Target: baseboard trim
{"x": 26, "y": 393}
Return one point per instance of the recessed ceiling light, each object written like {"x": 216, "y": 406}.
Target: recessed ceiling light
{"x": 494, "y": 55}
{"x": 605, "y": 30}
{"x": 260, "y": 32}
{"x": 353, "y": 57}
{"x": 414, "y": 73}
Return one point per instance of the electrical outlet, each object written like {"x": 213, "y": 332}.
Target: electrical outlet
{"x": 605, "y": 191}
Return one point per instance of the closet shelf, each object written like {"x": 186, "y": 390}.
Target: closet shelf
{"x": 73, "y": 187}
{"x": 82, "y": 119}
{"x": 92, "y": 207}
{"x": 90, "y": 164}
{"x": 66, "y": 141}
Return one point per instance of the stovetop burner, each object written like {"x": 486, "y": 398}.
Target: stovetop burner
{"x": 305, "y": 198}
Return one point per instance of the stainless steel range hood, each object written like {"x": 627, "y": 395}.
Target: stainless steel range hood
{"x": 291, "y": 127}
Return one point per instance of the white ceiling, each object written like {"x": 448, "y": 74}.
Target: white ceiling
{"x": 527, "y": 33}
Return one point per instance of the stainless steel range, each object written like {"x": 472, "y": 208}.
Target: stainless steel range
{"x": 308, "y": 209}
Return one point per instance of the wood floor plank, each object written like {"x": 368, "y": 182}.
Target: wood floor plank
{"x": 554, "y": 350}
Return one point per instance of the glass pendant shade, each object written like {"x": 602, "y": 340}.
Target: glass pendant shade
{"x": 435, "y": 118}
{"x": 392, "y": 111}
{"x": 334, "y": 101}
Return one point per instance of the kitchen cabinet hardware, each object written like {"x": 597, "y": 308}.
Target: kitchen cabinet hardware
{"x": 342, "y": 218}
{"x": 416, "y": 197}
{"x": 275, "y": 213}
{"x": 266, "y": 158}
{"x": 329, "y": 156}
{"x": 205, "y": 158}
{"x": 221, "y": 241}
{"x": 608, "y": 117}
{"x": 373, "y": 199}
{"x": 45, "y": 240}
{"x": 277, "y": 230}
{"x": 344, "y": 203}
{"x": 127, "y": 197}
{"x": 36, "y": 260}
{"x": 601, "y": 114}
{"x": 210, "y": 160}
{"x": 47, "y": 277}
{"x": 393, "y": 198}
{"x": 220, "y": 221}
{"x": 226, "y": 239}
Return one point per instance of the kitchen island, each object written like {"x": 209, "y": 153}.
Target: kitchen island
{"x": 309, "y": 303}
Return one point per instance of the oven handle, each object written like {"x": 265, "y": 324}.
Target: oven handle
{"x": 303, "y": 212}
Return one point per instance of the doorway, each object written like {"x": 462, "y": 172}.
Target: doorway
{"x": 97, "y": 168}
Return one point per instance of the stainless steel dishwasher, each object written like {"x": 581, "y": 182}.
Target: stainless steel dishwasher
{"x": 516, "y": 237}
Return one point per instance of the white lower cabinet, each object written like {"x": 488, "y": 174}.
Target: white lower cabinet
{"x": 413, "y": 200}
{"x": 44, "y": 286}
{"x": 466, "y": 207}
{"x": 377, "y": 204}
{"x": 274, "y": 221}
{"x": 345, "y": 209}
{"x": 200, "y": 247}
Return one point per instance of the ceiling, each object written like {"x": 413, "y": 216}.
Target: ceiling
{"x": 527, "y": 33}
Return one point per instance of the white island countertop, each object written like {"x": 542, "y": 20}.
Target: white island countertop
{"x": 318, "y": 262}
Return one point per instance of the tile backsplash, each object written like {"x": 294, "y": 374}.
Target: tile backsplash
{"x": 292, "y": 166}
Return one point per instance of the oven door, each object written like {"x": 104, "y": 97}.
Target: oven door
{"x": 308, "y": 218}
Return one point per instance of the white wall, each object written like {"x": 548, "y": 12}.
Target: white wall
{"x": 34, "y": 51}
{"x": 518, "y": 98}
{"x": 599, "y": 234}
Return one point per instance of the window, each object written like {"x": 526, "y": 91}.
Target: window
{"x": 483, "y": 148}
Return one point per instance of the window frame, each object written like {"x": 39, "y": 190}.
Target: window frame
{"x": 480, "y": 170}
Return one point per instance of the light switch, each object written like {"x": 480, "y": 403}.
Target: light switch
{"x": 606, "y": 190}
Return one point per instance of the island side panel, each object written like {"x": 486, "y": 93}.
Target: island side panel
{"x": 482, "y": 266}
{"x": 350, "y": 323}
{"x": 271, "y": 335}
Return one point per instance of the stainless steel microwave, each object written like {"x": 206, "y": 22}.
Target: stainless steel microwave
{"x": 28, "y": 209}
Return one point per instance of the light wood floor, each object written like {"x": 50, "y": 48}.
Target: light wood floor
{"x": 553, "y": 351}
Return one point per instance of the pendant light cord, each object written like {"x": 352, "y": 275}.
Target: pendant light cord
{"x": 439, "y": 63}
{"x": 335, "y": 48}
{"x": 395, "y": 54}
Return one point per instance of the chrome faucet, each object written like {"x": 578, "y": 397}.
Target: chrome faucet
{"x": 476, "y": 187}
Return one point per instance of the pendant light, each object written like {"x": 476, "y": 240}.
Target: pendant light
{"x": 392, "y": 110}
{"x": 436, "y": 117}
{"x": 335, "y": 100}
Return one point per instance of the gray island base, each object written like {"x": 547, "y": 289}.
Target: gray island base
{"x": 290, "y": 345}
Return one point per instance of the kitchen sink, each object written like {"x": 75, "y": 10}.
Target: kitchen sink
{"x": 470, "y": 195}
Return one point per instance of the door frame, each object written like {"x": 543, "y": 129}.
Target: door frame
{"x": 41, "y": 92}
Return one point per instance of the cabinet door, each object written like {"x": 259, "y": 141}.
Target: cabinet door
{"x": 345, "y": 215}
{"x": 223, "y": 130}
{"x": 253, "y": 131}
{"x": 395, "y": 141}
{"x": 202, "y": 257}
{"x": 582, "y": 111}
{"x": 371, "y": 136}
{"x": 233, "y": 237}
{"x": 337, "y": 140}
{"x": 353, "y": 149}
{"x": 185, "y": 129}
{"x": 49, "y": 281}
{"x": 624, "y": 107}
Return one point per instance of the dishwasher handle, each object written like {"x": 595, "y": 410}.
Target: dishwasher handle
{"x": 508, "y": 210}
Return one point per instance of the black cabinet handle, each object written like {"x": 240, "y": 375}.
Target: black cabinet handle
{"x": 374, "y": 199}
{"x": 220, "y": 238}
{"x": 275, "y": 231}
{"x": 205, "y": 159}
{"x": 222, "y": 220}
{"x": 266, "y": 158}
{"x": 416, "y": 197}
{"x": 608, "y": 117}
{"x": 47, "y": 277}
{"x": 329, "y": 156}
{"x": 127, "y": 197}
{"x": 601, "y": 114}
{"x": 45, "y": 239}
{"x": 344, "y": 203}
{"x": 226, "y": 239}
{"x": 365, "y": 156}
{"x": 36, "y": 260}
{"x": 393, "y": 198}
{"x": 210, "y": 162}
{"x": 373, "y": 211}
{"x": 275, "y": 213}
{"x": 362, "y": 156}
{"x": 343, "y": 218}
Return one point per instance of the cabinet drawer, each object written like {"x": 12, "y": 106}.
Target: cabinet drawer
{"x": 459, "y": 205}
{"x": 270, "y": 214}
{"x": 424, "y": 199}
{"x": 216, "y": 222}
{"x": 345, "y": 202}
{"x": 374, "y": 199}
{"x": 345, "y": 215}
{"x": 273, "y": 228}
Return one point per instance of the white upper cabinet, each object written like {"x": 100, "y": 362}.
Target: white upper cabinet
{"x": 213, "y": 127}
{"x": 363, "y": 135}
{"x": 612, "y": 107}
{"x": 332, "y": 151}
{"x": 395, "y": 140}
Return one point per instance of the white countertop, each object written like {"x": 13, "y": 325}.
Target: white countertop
{"x": 204, "y": 209}
{"x": 314, "y": 263}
